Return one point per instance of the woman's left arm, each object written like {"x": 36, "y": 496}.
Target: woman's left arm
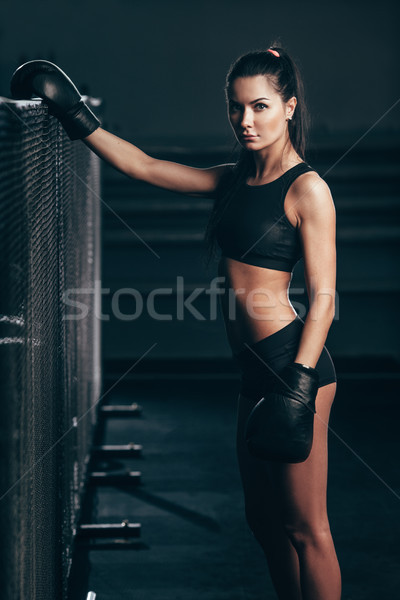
{"x": 316, "y": 215}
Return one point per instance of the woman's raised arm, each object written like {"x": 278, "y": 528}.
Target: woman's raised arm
{"x": 45, "y": 79}
{"x": 135, "y": 163}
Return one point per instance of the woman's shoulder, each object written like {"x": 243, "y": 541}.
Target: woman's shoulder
{"x": 311, "y": 193}
{"x": 308, "y": 180}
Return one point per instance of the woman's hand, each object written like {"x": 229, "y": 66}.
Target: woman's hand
{"x": 44, "y": 79}
{"x": 281, "y": 425}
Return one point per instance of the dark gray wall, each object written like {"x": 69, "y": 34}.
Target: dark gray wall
{"x": 160, "y": 66}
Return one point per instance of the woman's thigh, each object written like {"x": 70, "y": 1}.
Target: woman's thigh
{"x": 296, "y": 490}
{"x": 292, "y": 493}
{"x": 301, "y": 487}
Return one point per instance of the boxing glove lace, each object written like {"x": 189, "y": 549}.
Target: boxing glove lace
{"x": 280, "y": 426}
{"x": 44, "y": 79}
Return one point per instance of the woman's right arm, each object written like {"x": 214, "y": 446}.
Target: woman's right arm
{"x": 135, "y": 163}
{"x": 46, "y": 80}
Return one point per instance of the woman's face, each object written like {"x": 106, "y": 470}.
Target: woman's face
{"x": 257, "y": 113}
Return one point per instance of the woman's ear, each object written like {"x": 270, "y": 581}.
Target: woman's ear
{"x": 290, "y": 107}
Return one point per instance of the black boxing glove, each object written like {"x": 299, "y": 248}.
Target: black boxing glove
{"x": 281, "y": 425}
{"x": 44, "y": 79}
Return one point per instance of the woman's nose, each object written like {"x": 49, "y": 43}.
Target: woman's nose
{"x": 247, "y": 119}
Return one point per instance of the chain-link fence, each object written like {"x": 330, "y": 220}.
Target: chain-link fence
{"x": 50, "y": 376}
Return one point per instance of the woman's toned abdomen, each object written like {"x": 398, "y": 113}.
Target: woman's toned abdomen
{"x": 255, "y": 302}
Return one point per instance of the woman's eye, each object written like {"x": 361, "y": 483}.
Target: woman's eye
{"x": 258, "y": 106}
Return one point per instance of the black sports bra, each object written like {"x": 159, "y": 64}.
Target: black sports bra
{"x": 254, "y": 229}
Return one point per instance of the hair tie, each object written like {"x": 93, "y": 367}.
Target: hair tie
{"x": 274, "y": 52}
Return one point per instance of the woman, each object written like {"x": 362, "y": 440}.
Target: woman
{"x": 271, "y": 207}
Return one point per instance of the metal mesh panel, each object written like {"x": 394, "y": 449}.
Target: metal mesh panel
{"x": 49, "y": 362}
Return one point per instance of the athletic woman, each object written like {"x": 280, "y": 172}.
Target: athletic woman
{"x": 271, "y": 208}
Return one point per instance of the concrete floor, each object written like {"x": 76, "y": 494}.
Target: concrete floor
{"x": 194, "y": 540}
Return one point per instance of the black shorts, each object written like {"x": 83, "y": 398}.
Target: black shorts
{"x": 259, "y": 362}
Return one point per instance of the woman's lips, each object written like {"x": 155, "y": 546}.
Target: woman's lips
{"x": 248, "y": 137}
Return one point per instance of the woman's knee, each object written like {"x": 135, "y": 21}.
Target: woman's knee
{"x": 309, "y": 533}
